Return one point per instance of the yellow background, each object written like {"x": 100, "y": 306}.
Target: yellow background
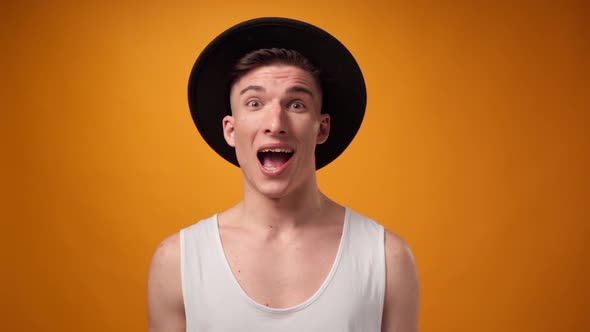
{"x": 474, "y": 148}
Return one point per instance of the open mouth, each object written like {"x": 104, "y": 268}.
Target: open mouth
{"x": 274, "y": 158}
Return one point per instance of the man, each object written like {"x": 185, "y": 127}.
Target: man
{"x": 281, "y": 98}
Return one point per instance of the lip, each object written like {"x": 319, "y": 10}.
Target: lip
{"x": 280, "y": 170}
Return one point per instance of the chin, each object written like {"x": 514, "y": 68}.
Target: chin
{"x": 274, "y": 186}
{"x": 273, "y": 190}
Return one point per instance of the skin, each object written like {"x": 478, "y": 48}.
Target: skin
{"x": 269, "y": 236}
{"x": 277, "y": 106}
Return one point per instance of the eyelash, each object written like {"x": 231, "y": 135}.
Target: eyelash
{"x": 249, "y": 103}
{"x": 298, "y": 104}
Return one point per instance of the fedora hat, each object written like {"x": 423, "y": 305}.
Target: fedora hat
{"x": 343, "y": 87}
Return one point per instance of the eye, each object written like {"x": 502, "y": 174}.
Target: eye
{"x": 253, "y": 103}
{"x": 296, "y": 105}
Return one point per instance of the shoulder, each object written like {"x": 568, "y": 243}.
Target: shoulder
{"x": 400, "y": 312}
{"x": 164, "y": 293}
{"x": 397, "y": 250}
{"x": 165, "y": 264}
{"x": 399, "y": 263}
{"x": 167, "y": 253}
{"x": 164, "y": 270}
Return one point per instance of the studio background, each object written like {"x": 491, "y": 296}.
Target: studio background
{"x": 474, "y": 149}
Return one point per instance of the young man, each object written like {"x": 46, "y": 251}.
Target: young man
{"x": 281, "y": 98}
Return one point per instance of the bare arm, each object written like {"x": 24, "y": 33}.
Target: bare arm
{"x": 400, "y": 310}
{"x": 164, "y": 293}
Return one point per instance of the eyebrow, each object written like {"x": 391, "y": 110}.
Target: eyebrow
{"x": 292, "y": 89}
{"x": 302, "y": 89}
{"x": 253, "y": 88}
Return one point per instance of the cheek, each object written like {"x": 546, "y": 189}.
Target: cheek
{"x": 245, "y": 127}
{"x": 310, "y": 130}
{"x": 244, "y": 134}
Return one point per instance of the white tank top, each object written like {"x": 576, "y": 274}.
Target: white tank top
{"x": 350, "y": 298}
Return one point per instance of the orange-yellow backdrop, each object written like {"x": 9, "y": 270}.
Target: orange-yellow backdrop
{"x": 474, "y": 148}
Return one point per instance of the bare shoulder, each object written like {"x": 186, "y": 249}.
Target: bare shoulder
{"x": 168, "y": 252}
{"x": 165, "y": 264}
{"x": 402, "y": 291}
{"x": 397, "y": 251}
{"x": 400, "y": 266}
{"x": 164, "y": 293}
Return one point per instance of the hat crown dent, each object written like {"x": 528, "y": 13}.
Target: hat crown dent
{"x": 343, "y": 85}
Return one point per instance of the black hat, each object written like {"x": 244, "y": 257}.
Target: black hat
{"x": 343, "y": 87}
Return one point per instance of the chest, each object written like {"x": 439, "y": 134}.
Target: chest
{"x": 281, "y": 273}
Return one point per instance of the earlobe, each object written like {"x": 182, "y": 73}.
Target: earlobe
{"x": 324, "y": 130}
{"x": 228, "y": 130}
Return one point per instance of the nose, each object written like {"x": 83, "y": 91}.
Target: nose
{"x": 276, "y": 120}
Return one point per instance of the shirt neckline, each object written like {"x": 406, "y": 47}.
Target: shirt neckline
{"x": 296, "y": 307}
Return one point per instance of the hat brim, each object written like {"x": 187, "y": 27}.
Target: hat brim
{"x": 343, "y": 87}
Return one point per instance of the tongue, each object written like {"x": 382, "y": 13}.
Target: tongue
{"x": 273, "y": 160}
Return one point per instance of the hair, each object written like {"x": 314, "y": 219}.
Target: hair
{"x": 271, "y": 56}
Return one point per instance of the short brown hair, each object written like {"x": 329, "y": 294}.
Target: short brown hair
{"x": 270, "y": 56}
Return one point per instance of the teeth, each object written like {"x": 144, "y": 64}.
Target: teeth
{"x": 278, "y": 150}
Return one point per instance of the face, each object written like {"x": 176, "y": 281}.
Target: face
{"x": 275, "y": 126}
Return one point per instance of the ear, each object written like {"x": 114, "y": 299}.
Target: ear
{"x": 324, "y": 130}
{"x": 228, "y": 130}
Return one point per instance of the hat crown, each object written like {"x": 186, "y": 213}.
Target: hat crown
{"x": 343, "y": 85}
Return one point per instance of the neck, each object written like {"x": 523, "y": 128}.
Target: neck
{"x": 301, "y": 206}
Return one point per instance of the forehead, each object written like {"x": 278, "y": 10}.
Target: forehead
{"x": 277, "y": 74}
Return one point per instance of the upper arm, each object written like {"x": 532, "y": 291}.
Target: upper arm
{"x": 400, "y": 310}
{"x": 164, "y": 293}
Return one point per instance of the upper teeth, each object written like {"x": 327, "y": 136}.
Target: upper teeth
{"x": 278, "y": 150}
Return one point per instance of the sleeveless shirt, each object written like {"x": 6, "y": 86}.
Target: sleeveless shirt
{"x": 350, "y": 298}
